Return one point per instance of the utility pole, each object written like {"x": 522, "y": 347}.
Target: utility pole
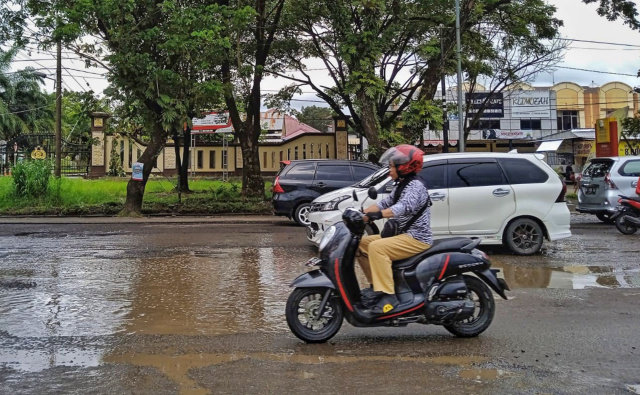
{"x": 58, "y": 111}
{"x": 445, "y": 118}
{"x": 459, "y": 52}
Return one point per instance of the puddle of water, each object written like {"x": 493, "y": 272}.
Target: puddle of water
{"x": 176, "y": 367}
{"x": 568, "y": 277}
{"x": 39, "y": 360}
{"x": 108, "y": 288}
{"x": 213, "y": 292}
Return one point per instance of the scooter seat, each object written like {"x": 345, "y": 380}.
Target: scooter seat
{"x": 441, "y": 245}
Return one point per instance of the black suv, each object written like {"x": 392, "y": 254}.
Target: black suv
{"x": 300, "y": 181}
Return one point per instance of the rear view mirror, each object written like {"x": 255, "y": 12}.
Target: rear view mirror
{"x": 355, "y": 197}
{"x": 373, "y": 193}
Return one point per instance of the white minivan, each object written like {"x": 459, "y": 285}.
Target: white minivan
{"x": 503, "y": 198}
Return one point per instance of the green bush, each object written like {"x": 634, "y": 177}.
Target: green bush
{"x": 31, "y": 178}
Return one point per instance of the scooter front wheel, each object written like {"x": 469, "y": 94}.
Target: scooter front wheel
{"x": 624, "y": 226}
{"x": 302, "y": 315}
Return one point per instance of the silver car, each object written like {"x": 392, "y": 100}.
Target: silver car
{"x": 603, "y": 180}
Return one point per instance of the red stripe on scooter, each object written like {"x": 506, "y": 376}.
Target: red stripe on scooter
{"x": 421, "y": 305}
{"x": 444, "y": 269}
{"x": 341, "y": 288}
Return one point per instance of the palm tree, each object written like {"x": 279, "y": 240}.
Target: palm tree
{"x": 24, "y": 107}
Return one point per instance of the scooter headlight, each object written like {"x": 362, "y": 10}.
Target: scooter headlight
{"x": 326, "y": 237}
{"x": 333, "y": 204}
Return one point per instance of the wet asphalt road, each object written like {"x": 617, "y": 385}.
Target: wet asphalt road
{"x": 178, "y": 307}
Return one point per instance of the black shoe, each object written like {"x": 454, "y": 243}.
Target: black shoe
{"x": 370, "y": 298}
{"x": 366, "y": 292}
{"x": 385, "y": 304}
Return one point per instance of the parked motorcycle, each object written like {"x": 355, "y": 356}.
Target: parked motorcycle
{"x": 627, "y": 216}
{"x": 433, "y": 287}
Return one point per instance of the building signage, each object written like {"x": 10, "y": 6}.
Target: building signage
{"x": 530, "y": 104}
{"x": 213, "y": 122}
{"x": 497, "y": 134}
{"x": 489, "y": 105}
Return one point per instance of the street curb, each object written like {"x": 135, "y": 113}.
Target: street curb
{"x": 231, "y": 219}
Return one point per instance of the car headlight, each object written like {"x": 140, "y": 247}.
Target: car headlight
{"x": 332, "y": 205}
{"x": 326, "y": 237}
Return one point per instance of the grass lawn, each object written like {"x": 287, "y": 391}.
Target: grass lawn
{"x": 78, "y": 196}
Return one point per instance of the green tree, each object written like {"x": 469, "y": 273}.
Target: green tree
{"x": 383, "y": 54}
{"x": 158, "y": 54}
{"x": 317, "y": 117}
{"x": 76, "y": 114}
{"x": 24, "y": 106}
{"x": 242, "y": 71}
{"x": 614, "y": 9}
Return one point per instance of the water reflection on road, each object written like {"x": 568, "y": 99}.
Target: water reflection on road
{"x": 568, "y": 277}
{"x": 88, "y": 286}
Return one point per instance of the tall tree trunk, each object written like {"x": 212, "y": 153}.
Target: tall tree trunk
{"x": 135, "y": 189}
{"x": 184, "y": 169}
{"x": 369, "y": 123}
{"x": 176, "y": 148}
{"x": 252, "y": 181}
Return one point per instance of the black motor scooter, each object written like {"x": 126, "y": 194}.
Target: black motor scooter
{"x": 431, "y": 286}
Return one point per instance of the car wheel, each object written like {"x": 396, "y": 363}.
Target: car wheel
{"x": 606, "y": 218}
{"x": 301, "y": 214}
{"x": 524, "y": 236}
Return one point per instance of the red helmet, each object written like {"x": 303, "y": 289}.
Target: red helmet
{"x": 406, "y": 158}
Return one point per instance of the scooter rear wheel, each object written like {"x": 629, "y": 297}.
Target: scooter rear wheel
{"x": 624, "y": 226}
{"x": 301, "y": 310}
{"x": 481, "y": 295}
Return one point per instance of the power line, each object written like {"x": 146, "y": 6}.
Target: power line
{"x": 600, "y": 42}
{"x": 596, "y": 71}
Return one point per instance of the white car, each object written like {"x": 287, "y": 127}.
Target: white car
{"x": 503, "y": 198}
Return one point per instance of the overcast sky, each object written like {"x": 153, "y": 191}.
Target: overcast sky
{"x": 581, "y": 22}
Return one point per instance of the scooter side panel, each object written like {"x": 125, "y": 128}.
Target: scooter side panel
{"x": 439, "y": 266}
{"x": 313, "y": 279}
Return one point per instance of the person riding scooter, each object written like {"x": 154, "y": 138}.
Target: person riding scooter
{"x": 408, "y": 203}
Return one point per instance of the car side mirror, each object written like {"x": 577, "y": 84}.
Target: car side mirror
{"x": 354, "y": 195}
{"x": 372, "y": 193}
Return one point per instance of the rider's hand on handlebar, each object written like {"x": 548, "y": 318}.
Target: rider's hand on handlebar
{"x": 374, "y": 215}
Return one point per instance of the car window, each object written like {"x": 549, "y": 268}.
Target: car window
{"x": 522, "y": 171}
{"x": 597, "y": 169}
{"x": 360, "y": 172}
{"x": 374, "y": 179}
{"x": 301, "y": 171}
{"x": 334, "y": 172}
{"x": 630, "y": 169}
{"x": 475, "y": 175}
{"x": 435, "y": 176}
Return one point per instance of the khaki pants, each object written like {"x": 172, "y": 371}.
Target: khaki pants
{"x": 376, "y": 255}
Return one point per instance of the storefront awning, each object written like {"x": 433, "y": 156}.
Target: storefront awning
{"x": 551, "y": 145}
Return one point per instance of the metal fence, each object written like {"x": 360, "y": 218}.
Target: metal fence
{"x": 75, "y": 158}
